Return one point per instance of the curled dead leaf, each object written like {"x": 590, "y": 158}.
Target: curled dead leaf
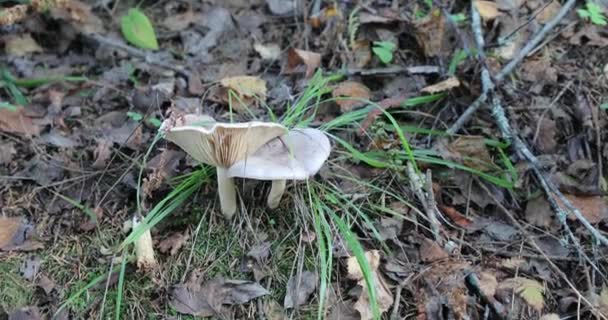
{"x": 488, "y": 10}
{"x": 353, "y": 268}
{"x": 351, "y": 89}
{"x": 270, "y": 51}
{"x": 445, "y": 85}
{"x": 430, "y": 33}
{"x": 296, "y": 59}
{"x": 593, "y": 208}
{"x": 18, "y": 122}
{"x": 248, "y": 90}
{"x": 15, "y": 234}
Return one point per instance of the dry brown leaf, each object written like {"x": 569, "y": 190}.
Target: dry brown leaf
{"x": 549, "y": 12}
{"x": 474, "y": 148}
{"x": 445, "y": 85}
{"x": 270, "y": 51}
{"x": 362, "y": 54}
{"x": 20, "y": 45}
{"x": 430, "y": 251}
{"x": 384, "y": 297}
{"x": 180, "y": 21}
{"x": 13, "y": 14}
{"x": 354, "y": 270}
{"x": 528, "y": 289}
{"x": 429, "y": 33}
{"x": 173, "y": 243}
{"x": 296, "y": 59}
{"x": 101, "y": 153}
{"x": 15, "y": 235}
{"x": 17, "y": 122}
{"x": 457, "y": 217}
{"x": 487, "y": 284}
{"x": 249, "y": 90}
{"x": 79, "y": 15}
{"x": 351, "y": 89}
{"x": 246, "y": 86}
{"x": 593, "y": 208}
{"x": 488, "y": 10}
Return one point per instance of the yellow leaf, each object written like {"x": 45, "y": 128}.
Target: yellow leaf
{"x": 488, "y": 10}
{"x": 532, "y": 292}
{"x": 353, "y": 268}
{"x": 246, "y": 86}
{"x": 444, "y": 85}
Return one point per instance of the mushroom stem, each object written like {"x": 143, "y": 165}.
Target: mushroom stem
{"x": 276, "y": 192}
{"x": 227, "y": 192}
{"x": 143, "y": 249}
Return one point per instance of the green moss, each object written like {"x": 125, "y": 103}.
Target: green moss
{"x": 15, "y": 292}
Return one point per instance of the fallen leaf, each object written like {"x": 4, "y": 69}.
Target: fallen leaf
{"x": 209, "y": 299}
{"x": 539, "y": 213}
{"x": 180, "y": 21}
{"x": 173, "y": 243}
{"x": 17, "y": 122}
{"x": 16, "y": 235}
{"x": 25, "y": 313}
{"x": 487, "y": 284}
{"x": 430, "y": 32}
{"x": 21, "y": 45}
{"x": 248, "y": 89}
{"x": 389, "y": 228}
{"x": 7, "y": 151}
{"x": 488, "y": 10}
{"x": 79, "y": 15}
{"x": 281, "y": 7}
{"x": 529, "y": 290}
{"x": 300, "y": 288}
{"x": 546, "y": 141}
{"x": 273, "y": 310}
{"x": 29, "y": 268}
{"x": 296, "y": 59}
{"x": 430, "y": 251}
{"x": 46, "y": 284}
{"x": 445, "y": 85}
{"x": 351, "y": 89}
{"x": 362, "y": 54}
{"x": 457, "y": 217}
{"x": 102, "y": 154}
{"x": 353, "y": 268}
{"x": 385, "y": 104}
{"x": 384, "y": 297}
{"x": 593, "y": 208}
{"x": 549, "y": 12}
{"x": 550, "y": 316}
{"x": 471, "y": 151}
{"x": 270, "y": 51}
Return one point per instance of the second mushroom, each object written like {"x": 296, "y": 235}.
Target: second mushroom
{"x": 255, "y": 150}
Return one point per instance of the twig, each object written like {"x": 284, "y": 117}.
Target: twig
{"x": 148, "y": 58}
{"x": 535, "y": 245}
{"x": 418, "y": 183}
{"x": 506, "y": 70}
{"x": 498, "y": 113}
{"x": 391, "y": 70}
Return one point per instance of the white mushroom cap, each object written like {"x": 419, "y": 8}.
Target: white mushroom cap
{"x": 223, "y": 144}
{"x": 295, "y": 156}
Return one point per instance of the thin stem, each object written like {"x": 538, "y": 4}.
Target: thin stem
{"x": 227, "y": 192}
{"x": 276, "y": 192}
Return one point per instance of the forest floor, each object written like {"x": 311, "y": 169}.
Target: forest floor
{"x": 465, "y": 179}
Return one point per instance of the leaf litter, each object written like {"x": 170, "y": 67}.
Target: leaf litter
{"x": 86, "y": 138}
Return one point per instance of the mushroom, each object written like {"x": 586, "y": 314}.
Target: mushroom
{"x": 296, "y": 156}
{"x": 221, "y": 145}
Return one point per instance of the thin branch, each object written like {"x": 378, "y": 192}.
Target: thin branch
{"x": 498, "y": 113}
{"x": 506, "y": 70}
